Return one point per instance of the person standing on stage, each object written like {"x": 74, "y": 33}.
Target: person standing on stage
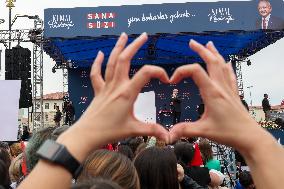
{"x": 57, "y": 117}
{"x": 266, "y": 107}
{"x": 70, "y": 113}
{"x": 176, "y": 106}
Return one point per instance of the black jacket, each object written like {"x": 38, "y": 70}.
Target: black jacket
{"x": 176, "y": 104}
{"x": 265, "y": 104}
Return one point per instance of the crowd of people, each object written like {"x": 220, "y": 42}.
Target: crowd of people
{"x": 110, "y": 152}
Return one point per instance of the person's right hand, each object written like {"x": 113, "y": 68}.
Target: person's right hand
{"x": 225, "y": 119}
{"x": 110, "y": 115}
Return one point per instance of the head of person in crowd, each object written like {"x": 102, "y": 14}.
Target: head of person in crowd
{"x": 140, "y": 148}
{"x": 5, "y": 156}
{"x": 16, "y": 149}
{"x": 96, "y": 183}
{"x": 126, "y": 150}
{"x": 157, "y": 168}
{"x": 15, "y": 169}
{"x": 134, "y": 143}
{"x": 184, "y": 152}
{"x": 246, "y": 181}
{"x": 37, "y": 140}
{"x": 206, "y": 150}
{"x": 4, "y": 175}
{"x": 160, "y": 143}
{"x": 110, "y": 165}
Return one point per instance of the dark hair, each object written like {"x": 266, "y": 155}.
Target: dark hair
{"x": 4, "y": 156}
{"x": 184, "y": 152}
{"x": 125, "y": 150}
{"x": 4, "y": 175}
{"x": 111, "y": 165}
{"x": 134, "y": 143}
{"x": 96, "y": 183}
{"x": 206, "y": 150}
{"x": 157, "y": 168}
{"x": 245, "y": 179}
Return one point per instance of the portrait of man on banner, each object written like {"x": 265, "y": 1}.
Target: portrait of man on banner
{"x": 267, "y": 19}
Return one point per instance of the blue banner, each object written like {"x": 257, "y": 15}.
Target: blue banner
{"x": 163, "y": 18}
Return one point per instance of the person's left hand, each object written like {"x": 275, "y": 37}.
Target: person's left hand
{"x": 110, "y": 115}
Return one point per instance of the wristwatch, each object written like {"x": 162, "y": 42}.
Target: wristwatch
{"x": 58, "y": 154}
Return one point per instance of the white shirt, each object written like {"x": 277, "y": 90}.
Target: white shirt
{"x": 266, "y": 21}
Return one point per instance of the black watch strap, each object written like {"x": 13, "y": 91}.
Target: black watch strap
{"x": 58, "y": 154}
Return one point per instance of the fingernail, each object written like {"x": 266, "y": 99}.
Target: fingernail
{"x": 100, "y": 52}
{"x": 122, "y": 34}
{"x": 192, "y": 41}
{"x": 211, "y": 43}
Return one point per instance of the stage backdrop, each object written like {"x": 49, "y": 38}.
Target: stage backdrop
{"x": 81, "y": 93}
{"x": 161, "y": 18}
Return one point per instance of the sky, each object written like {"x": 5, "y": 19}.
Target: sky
{"x": 265, "y": 75}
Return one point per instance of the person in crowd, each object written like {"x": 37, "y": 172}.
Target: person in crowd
{"x": 15, "y": 170}
{"x": 184, "y": 153}
{"x": 266, "y": 107}
{"x": 134, "y": 143}
{"x": 245, "y": 181}
{"x": 244, "y": 102}
{"x": 57, "y": 117}
{"x": 126, "y": 150}
{"x": 96, "y": 183}
{"x": 207, "y": 155}
{"x": 5, "y": 156}
{"x": 15, "y": 149}
{"x": 268, "y": 21}
{"x": 4, "y": 175}
{"x": 157, "y": 168}
{"x": 37, "y": 140}
{"x": 116, "y": 94}
{"x": 110, "y": 165}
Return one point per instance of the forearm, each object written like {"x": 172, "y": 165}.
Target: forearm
{"x": 47, "y": 175}
{"x": 265, "y": 161}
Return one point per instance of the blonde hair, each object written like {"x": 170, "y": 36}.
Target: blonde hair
{"x": 15, "y": 169}
{"x": 111, "y": 165}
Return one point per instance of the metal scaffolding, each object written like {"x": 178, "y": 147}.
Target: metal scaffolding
{"x": 239, "y": 76}
{"x": 35, "y": 36}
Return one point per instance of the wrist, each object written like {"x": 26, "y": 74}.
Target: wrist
{"x": 76, "y": 142}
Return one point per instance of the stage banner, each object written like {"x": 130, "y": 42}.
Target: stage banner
{"x": 163, "y": 18}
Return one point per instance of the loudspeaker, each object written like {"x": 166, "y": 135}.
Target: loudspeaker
{"x": 18, "y": 67}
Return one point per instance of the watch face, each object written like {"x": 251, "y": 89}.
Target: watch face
{"x": 48, "y": 149}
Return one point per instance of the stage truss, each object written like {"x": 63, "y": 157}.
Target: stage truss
{"x": 35, "y": 36}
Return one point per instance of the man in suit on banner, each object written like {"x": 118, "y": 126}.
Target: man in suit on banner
{"x": 268, "y": 21}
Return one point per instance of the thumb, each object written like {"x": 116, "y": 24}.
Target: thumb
{"x": 186, "y": 129}
{"x": 152, "y": 129}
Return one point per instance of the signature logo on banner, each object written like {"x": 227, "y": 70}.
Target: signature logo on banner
{"x": 60, "y": 21}
{"x": 220, "y": 15}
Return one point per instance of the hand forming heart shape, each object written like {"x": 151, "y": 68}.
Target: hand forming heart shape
{"x": 110, "y": 114}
